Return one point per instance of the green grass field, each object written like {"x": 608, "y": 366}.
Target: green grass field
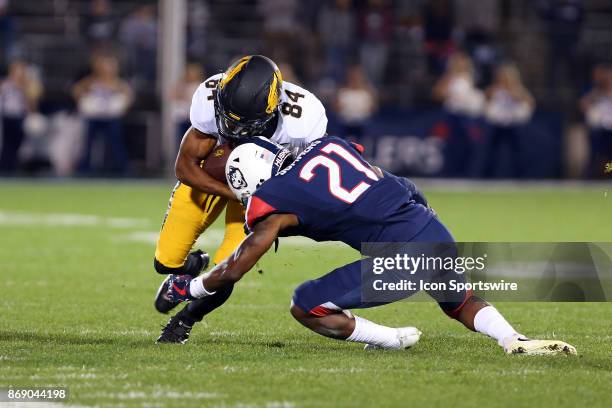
{"x": 78, "y": 285}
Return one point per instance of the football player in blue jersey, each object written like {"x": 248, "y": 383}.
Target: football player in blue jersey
{"x": 249, "y": 99}
{"x": 330, "y": 193}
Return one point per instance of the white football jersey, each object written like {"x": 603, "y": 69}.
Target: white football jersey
{"x": 302, "y": 116}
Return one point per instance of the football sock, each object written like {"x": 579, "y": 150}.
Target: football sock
{"x": 193, "y": 264}
{"x": 371, "y": 333}
{"x": 197, "y": 309}
{"x": 490, "y": 322}
{"x": 186, "y": 317}
{"x": 197, "y": 289}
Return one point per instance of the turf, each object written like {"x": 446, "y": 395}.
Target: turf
{"x": 76, "y": 311}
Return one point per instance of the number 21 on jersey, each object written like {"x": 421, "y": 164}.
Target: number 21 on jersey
{"x": 335, "y": 152}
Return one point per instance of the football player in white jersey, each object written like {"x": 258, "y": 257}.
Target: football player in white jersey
{"x": 249, "y": 99}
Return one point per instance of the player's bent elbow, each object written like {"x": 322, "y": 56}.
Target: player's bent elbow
{"x": 180, "y": 173}
{"x": 184, "y": 175}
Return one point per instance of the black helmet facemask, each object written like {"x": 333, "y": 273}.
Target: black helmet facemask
{"x": 230, "y": 128}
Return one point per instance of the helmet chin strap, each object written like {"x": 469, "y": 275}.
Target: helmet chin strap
{"x": 245, "y": 199}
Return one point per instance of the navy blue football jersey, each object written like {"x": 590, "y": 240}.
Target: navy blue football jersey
{"x": 337, "y": 196}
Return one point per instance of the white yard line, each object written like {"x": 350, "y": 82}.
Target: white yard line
{"x": 211, "y": 237}
{"x": 155, "y": 395}
{"x": 40, "y": 404}
{"x": 69, "y": 220}
{"x": 214, "y": 236}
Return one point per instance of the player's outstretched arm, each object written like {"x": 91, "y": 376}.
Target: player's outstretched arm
{"x": 252, "y": 248}
{"x": 195, "y": 147}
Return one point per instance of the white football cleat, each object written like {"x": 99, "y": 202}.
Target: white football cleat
{"x": 407, "y": 336}
{"x": 539, "y": 347}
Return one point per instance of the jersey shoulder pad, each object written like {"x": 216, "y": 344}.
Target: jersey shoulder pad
{"x": 257, "y": 209}
{"x": 202, "y": 111}
{"x": 303, "y": 114}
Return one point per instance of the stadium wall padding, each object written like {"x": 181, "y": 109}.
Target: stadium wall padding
{"x": 436, "y": 143}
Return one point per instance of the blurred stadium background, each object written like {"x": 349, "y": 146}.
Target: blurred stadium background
{"x": 434, "y": 88}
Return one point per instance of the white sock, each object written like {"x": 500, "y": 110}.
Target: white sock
{"x": 490, "y": 322}
{"x": 371, "y": 333}
{"x": 196, "y": 287}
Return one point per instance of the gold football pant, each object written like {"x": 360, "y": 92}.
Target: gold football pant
{"x": 189, "y": 214}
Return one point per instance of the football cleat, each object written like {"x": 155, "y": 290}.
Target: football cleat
{"x": 407, "y": 336}
{"x": 539, "y": 347}
{"x": 177, "y": 290}
{"x": 176, "y": 331}
{"x": 163, "y": 304}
